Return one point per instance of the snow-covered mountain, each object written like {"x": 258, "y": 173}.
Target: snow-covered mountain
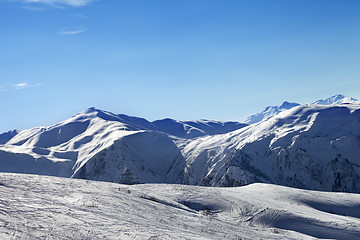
{"x": 5, "y": 137}
{"x": 309, "y": 146}
{"x": 139, "y": 150}
{"x": 192, "y": 129}
{"x": 183, "y": 129}
{"x": 271, "y": 111}
{"x": 43, "y": 207}
{"x": 337, "y": 99}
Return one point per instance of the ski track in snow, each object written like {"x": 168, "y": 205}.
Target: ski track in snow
{"x": 43, "y": 207}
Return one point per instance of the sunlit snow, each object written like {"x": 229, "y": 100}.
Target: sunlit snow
{"x": 41, "y": 207}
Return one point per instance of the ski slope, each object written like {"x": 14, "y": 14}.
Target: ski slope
{"x": 45, "y": 207}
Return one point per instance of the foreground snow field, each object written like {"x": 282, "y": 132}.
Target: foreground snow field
{"x": 44, "y": 207}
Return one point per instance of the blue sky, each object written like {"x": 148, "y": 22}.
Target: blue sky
{"x": 184, "y": 59}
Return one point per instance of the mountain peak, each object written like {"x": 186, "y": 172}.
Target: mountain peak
{"x": 336, "y": 99}
{"x": 5, "y": 137}
{"x": 91, "y": 110}
{"x": 287, "y": 105}
{"x": 270, "y": 111}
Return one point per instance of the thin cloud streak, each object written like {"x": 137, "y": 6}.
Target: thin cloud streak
{"x": 36, "y": 9}
{"x": 20, "y": 85}
{"x": 71, "y": 32}
{"x": 23, "y": 85}
{"x": 73, "y": 3}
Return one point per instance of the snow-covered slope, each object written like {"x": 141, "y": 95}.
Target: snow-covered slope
{"x": 337, "y": 99}
{"x": 192, "y": 129}
{"x": 311, "y": 147}
{"x": 270, "y": 111}
{"x": 61, "y": 149}
{"x": 183, "y": 129}
{"x": 42, "y": 207}
{"x": 142, "y": 157}
{"x": 5, "y": 137}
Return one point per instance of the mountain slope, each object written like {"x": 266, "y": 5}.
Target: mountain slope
{"x": 311, "y": 147}
{"x": 142, "y": 157}
{"x": 5, "y": 137}
{"x": 192, "y": 129}
{"x": 71, "y": 142}
{"x": 271, "y": 111}
{"x": 337, "y": 99}
{"x": 42, "y": 207}
{"x": 100, "y": 145}
{"x": 183, "y": 129}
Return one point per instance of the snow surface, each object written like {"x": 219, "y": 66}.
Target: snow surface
{"x": 43, "y": 207}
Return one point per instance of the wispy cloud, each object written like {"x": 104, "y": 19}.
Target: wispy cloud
{"x": 73, "y": 3}
{"x": 73, "y": 32}
{"x": 23, "y": 85}
{"x": 37, "y": 9}
{"x": 18, "y": 86}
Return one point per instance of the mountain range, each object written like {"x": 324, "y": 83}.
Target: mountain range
{"x": 309, "y": 146}
{"x": 271, "y": 111}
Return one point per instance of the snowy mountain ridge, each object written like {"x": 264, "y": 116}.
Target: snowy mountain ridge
{"x": 63, "y": 149}
{"x": 337, "y": 99}
{"x": 311, "y": 147}
{"x": 271, "y": 111}
{"x": 183, "y": 129}
{"x": 308, "y": 146}
{"x": 5, "y": 137}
